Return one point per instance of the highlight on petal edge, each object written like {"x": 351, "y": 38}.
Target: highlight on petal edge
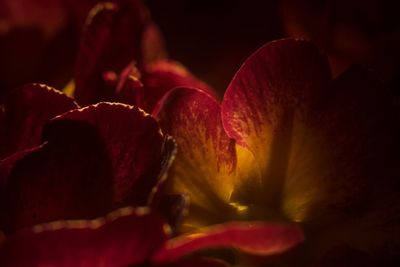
{"x": 93, "y": 160}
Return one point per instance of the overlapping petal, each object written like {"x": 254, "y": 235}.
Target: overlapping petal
{"x": 163, "y": 76}
{"x": 275, "y": 88}
{"x": 206, "y": 160}
{"x": 94, "y": 160}
{"x": 25, "y": 112}
{"x": 252, "y": 237}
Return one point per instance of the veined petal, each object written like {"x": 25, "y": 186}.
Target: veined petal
{"x": 25, "y": 112}
{"x": 124, "y": 237}
{"x": 277, "y": 86}
{"x": 95, "y": 159}
{"x": 205, "y": 164}
{"x": 251, "y": 237}
{"x": 163, "y": 76}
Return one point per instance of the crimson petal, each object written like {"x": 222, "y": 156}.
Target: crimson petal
{"x": 206, "y": 160}
{"x": 251, "y": 237}
{"x": 95, "y": 159}
{"x": 163, "y": 76}
{"x": 25, "y": 112}
{"x": 111, "y": 40}
{"x": 125, "y": 237}
{"x": 274, "y": 89}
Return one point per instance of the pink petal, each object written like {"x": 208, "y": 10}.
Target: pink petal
{"x": 25, "y": 112}
{"x": 125, "y": 237}
{"x": 95, "y": 159}
{"x": 250, "y": 237}
{"x": 206, "y": 159}
{"x": 162, "y": 76}
{"x": 111, "y": 40}
{"x": 276, "y": 87}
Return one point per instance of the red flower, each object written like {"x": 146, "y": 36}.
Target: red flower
{"x": 121, "y": 38}
{"x": 89, "y": 162}
{"x": 288, "y": 143}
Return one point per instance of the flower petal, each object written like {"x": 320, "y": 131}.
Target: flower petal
{"x": 250, "y": 237}
{"x": 162, "y": 76}
{"x": 25, "y": 112}
{"x": 110, "y": 29}
{"x": 205, "y": 164}
{"x": 276, "y": 86}
{"x": 95, "y": 159}
{"x": 125, "y": 237}
{"x": 197, "y": 262}
{"x": 345, "y": 157}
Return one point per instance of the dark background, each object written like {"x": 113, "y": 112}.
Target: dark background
{"x": 213, "y": 38}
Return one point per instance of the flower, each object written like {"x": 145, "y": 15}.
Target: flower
{"x": 288, "y": 143}
{"x": 122, "y": 58}
{"x": 133, "y": 237}
{"x": 91, "y": 161}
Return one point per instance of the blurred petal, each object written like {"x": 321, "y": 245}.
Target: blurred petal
{"x": 250, "y": 237}
{"x": 345, "y": 157}
{"x": 162, "y": 76}
{"x": 129, "y": 89}
{"x": 45, "y": 15}
{"x": 276, "y": 87}
{"x": 125, "y": 237}
{"x": 25, "y": 112}
{"x": 111, "y": 40}
{"x": 153, "y": 44}
{"x": 95, "y": 159}
{"x": 206, "y": 160}
{"x": 197, "y": 262}
{"x": 8, "y": 163}
{"x": 173, "y": 207}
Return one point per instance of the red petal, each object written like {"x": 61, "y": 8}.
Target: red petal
{"x": 206, "y": 160}
{"x": 111, "y": 40}
{"x": 162, "y": 76}
{"x": 250, "y": 237}
{"x": 25, "y": 112}
{"x": 124, "y": 237}
{"x": 197, "y": 262}
{"x": 47, "y": 16}
{"x": 95, "y": 159}
{"x": 276, "y": 87}
{"x": 129, "y": 89}
{"x": 153, "y": 44}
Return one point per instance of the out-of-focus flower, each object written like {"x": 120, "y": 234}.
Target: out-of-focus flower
{"x": 122, "y": 58}
{"x": 288, "y": 143}
{"x": 362, "y": 32}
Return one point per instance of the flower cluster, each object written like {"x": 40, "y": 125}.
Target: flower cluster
{"x": 137, "y": 163}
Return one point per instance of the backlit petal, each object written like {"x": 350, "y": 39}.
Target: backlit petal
{"x": 250, "y": 237}
{"x": 206, "y": 161}
{"x": 163, "y": 76}
{"x": 274, "y": 89}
